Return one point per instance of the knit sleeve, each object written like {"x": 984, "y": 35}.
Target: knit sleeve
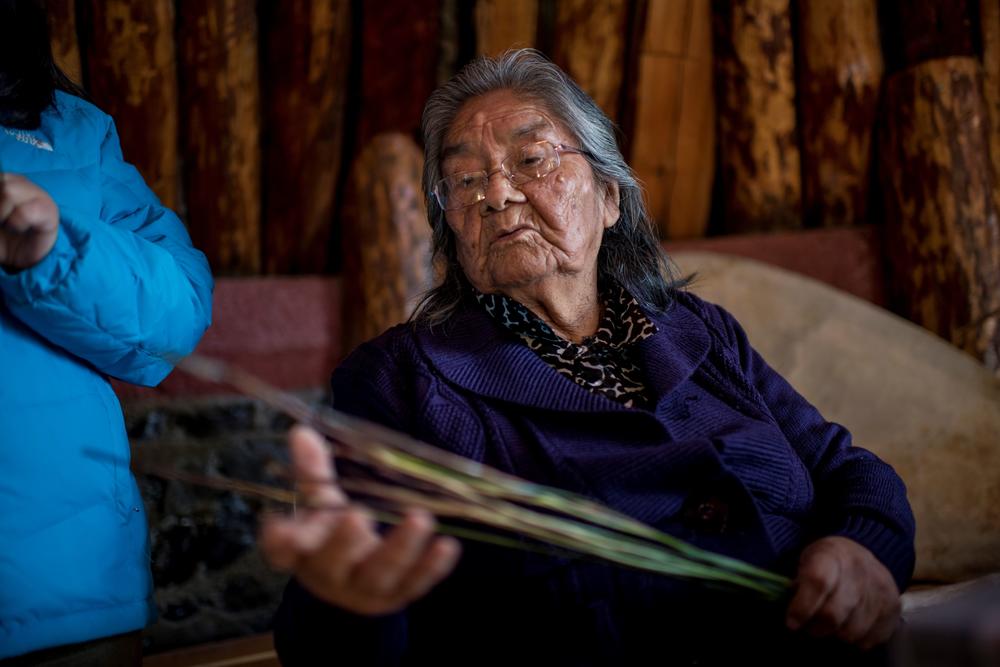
{"x": 858, "y": 495}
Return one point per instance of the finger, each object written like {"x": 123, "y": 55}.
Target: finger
{"x": 313, "y": 467}
{"x": 817, "y": 580}
{"x": 381, "y": 573}
{"x": 352, "y": 540}
{"x": 884, "y": 628}
{"x": 858, "y": 622}
{"x": 836, "y": 609}
{"x": 435, "y": 564}
{"x": 15, "y": 191}
{"x": 324, "y": 572}
{"x": 277, "y": 543}
{"x": 38, "y": 214}
{"x": 7, "y": 206}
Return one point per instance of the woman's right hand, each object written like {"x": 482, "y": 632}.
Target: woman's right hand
{"x": 339, "y": 556}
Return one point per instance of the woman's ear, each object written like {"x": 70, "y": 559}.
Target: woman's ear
{"x": 612, "y": 204}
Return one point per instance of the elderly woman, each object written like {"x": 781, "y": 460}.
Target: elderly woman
{"x": 558, "y": 348}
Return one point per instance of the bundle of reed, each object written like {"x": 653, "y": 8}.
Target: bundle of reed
{"x": 390, "y": 472}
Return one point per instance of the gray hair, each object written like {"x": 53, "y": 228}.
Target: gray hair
{"x": 630, "y": 253}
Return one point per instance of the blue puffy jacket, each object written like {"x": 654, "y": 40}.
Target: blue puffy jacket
{"x": 120, "y": 293}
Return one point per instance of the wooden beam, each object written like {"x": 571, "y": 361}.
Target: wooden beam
{"x": 673, "y": 133}
{"x": 989, "y": 21}
{"x": 942, "y": 205}
{"x": 840, "y": 76}
{"x": 399, "y": 59}
{"x": 221, "y": 136}
{"x": 305, "y": 69}
{"x": 132, "y": 69}
{"x": 505, "y": 24}
{"x": 386, "y": 238}
{"x": 915, "y": 31}
{"x": 62, "y": 33}
{"x": 758, "y": 130}
{"x": 590, "y": 46}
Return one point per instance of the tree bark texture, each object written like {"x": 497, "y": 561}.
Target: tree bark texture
{"x": 915, "y": 31}
{"x": 590, "y": 47}
{"x": 132, "y": 65}
{"x": 840, "y": 75}
{"x": 221, "y": 136}
{"x": 505, "y": 24}
{"x": 399, "y": 60}
{"x": 673, "y": 134}
{"x": 989, "y": 20}
{"x": 387, "y": 239}
{"x": 305, "y": 78}
{"x": 62, "y": 34}
{"x": 758, "y": 133}
{"x": 942, "y": 204}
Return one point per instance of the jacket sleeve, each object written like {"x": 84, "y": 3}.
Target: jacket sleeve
{"x": 127, "y": 293}
{"x": 857, "y": 494}
{"x": 308, "y": 631}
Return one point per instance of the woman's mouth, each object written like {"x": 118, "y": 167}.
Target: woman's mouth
{"x": 512, "y": 234}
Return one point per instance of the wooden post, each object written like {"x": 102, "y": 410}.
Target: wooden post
{"x": 942, "y": 205}
{"x": 62, "y": 34}
{"x": 915, "y": 31}
{"x": 590, "y": 46}
{"x": 387, "y": 251}
{"x": 758, "y": 132}
{"x": 221, "y": 136}
{"x": 505, "y": 24}
{"x": 673, "y": 134}
{"x": 305, "y": 68}
{"x": 989, "y": 20}
{"x": 840, "y": 75}
{"x": 398, "y": 66}
{"x": 132, "y": 68}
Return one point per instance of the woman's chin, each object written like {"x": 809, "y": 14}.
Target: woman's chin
{"x": 517, "y": 267}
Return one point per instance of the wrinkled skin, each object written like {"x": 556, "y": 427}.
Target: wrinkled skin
{"x": 537, "y": 243}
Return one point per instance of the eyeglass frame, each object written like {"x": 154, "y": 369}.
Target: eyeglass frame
{"x": 509, "y": 175}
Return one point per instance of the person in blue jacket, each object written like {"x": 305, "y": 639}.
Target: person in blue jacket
{"x": 97, "y": 280}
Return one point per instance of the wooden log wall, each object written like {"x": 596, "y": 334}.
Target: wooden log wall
{"x": 840, "y": 72}
{"x": 758, "y": 128}
{"x": 504, "y": 24}
{"x": 65, "y": 44}
{"x": 989, "y": 19}
{"x": 220, "y": 95}
{"x": 589, "y": 44}
{"x": 673, "y": 132}
{"x": 132, "y": 70}
{"x": 737, "y": 115}
{"x": 941, "y": 203}
{"x": 307, "y": 50}
{"x": 386, "y": 259}
{"x": 941, "y": 186}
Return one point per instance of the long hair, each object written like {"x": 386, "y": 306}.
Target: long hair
{"x": 29, "y": 76}
{"x": 630, "y": 253}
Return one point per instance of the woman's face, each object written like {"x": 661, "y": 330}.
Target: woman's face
{"x": 519, "y": 236}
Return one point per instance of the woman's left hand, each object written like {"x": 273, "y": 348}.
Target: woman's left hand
{"x": 842, "y": 590}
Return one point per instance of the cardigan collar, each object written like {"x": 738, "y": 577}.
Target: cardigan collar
{"x": 477, "y": 354}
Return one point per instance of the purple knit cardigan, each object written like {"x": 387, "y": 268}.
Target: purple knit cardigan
{"x": 731, "y": 458}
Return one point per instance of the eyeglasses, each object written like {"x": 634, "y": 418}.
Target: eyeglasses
{"x": 527, "y": 163}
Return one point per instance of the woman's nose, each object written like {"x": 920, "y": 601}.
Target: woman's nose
{"x": 500, "y": 192}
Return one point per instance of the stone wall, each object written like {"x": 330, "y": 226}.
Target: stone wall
{"x": 211, "y": 582}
